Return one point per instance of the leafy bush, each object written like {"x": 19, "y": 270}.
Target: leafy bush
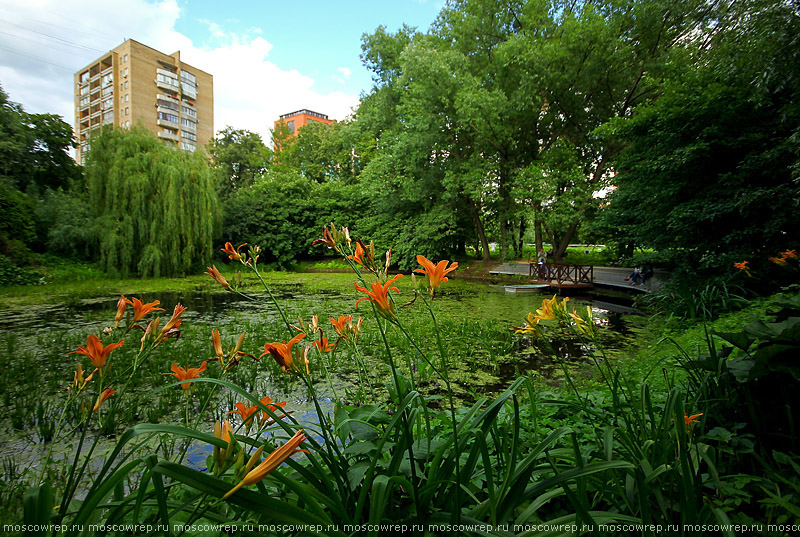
{"x": 66, "y": 221}
{"x": 12, "y": 274}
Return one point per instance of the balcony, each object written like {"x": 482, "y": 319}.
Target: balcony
{"x": 168, "y": 135}
{"x": 165, "y": 110}
{"x": 189, "y": 91}
{"x": 169, "y": 98}
{"x": 167, "y": 123}
{"x": 166, "y": 86}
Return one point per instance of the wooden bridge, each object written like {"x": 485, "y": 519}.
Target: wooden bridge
{"x": 562, "y": 276}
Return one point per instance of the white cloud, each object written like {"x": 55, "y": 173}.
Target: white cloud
{"x": 250, "y": 92}
{"x": 345, "y": 75}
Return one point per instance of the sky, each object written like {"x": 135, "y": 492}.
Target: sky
{"x": 268, "y": 57}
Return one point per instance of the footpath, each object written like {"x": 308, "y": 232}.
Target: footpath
{"x": 614, "y": 277}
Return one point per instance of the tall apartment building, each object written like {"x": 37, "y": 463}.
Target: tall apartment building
{"x": 294, "y": 120}
{"x": 135, "y": 84}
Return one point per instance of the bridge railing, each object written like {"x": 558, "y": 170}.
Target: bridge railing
{"x": 561, "y": 273}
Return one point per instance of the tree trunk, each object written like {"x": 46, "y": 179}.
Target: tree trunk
{"x": 521, "y": 236}
{"x": 503, "y": 215}
{"x": 558, "y": 251}
{"x": 481, "y": 233}
{"x": 537, "y": 230}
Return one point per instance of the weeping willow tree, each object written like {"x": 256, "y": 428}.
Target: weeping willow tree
{"x": 156, "y": 207}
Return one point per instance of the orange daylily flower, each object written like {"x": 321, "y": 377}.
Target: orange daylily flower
{"x": 186, "y": 375}
{"x": 380, "y": 297}
{"x": 105, "y": 394}
{"x": 345, "y": 328}
{"x": 267, "y": 402}
{"x": 275, "y": 459}
{"x": 282, "y": 352}
{"x": 175, "y": 320}
{"x": 233, "y": 254}
{"x": 783, "y": 259}
{"x": 324, "y": 345}
{"x": 122, "y": 303}
{"x": 437, "y": 274}
{"x": 364, "y": 255}
{"x": 340, "y": 324}
{"x": 141, "y": 309}
{"x": 691, "y": 420}
{"x": 742, "y": 266}
{"x": 214, "y": 272}
{"x": 96, "y": 352}
{"x": 172, "y": 328}
{"x": 246, "y": 412}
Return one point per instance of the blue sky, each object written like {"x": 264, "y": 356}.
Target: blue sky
{"x": 268, "y": 57}
{"x": 315, "y": 37}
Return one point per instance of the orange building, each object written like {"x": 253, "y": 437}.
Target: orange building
{"x": 292, "y": 122}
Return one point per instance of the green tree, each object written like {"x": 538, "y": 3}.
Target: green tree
{"x": 710, "y": 168}
{"x": 276, "y": 213}
{"x": 321, "y": 152}
{"x": 34, "y": 149}
{"x": 156, "y": 207}
{"x": 238, "y": 157}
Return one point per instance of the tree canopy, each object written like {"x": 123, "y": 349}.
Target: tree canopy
{"x": 710, "y": 168}
{"x": 156, "y": 208}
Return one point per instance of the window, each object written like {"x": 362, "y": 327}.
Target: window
{"x": 164, "y": 79}
{"x": 188, "y": 147}
{"x": 168, "y": 117}
{"x": 188, "y": 78}
{"x": 108, "y": 79}
{"x": 125, "y": 58}
{"x": 290, "y": 125}
{"x": 189, "y": 135}
{"x": 108, "y": 116}
{"x": 125, "y": 72}
{"x": 188, "y": 123}
{"x": 126, "y": 84}
{"x": 127, "y": 111}
{"x": 127, "y": 97}
{"x": 189, "y": 90}
{"x": 85, "y": 101}
{"x": 188, "y": 111}
{"x": 168, "y": 104}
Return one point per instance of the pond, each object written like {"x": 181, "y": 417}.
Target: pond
{"x": 475, "y": 320}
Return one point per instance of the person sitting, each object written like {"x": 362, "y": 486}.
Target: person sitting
{"x": 647, "y": 272}
{"x": 636, "y": 275}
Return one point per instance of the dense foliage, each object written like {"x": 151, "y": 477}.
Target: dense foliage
{"x": 33, "y": 160}
{"x": 711, "y": 166}
{"x": 156, "y": 209}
